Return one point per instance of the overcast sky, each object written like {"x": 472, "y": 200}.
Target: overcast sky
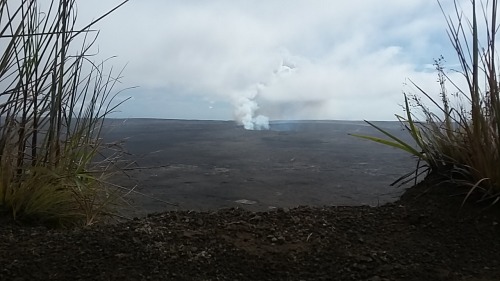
{"x": 289, "y": 59}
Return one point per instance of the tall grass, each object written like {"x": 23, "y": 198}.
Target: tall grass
{"x": 53, "y": 100}
{"x": 460, "y": 140}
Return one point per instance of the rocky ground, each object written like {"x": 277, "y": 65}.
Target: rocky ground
{"x": 424, "y": 236}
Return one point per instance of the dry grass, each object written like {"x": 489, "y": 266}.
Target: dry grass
{"x": 461, "y": 140}
{"x": 53, "y": 100}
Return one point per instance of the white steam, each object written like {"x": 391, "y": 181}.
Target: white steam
{"x": 246, "y": 105}
{"x": 247, "y": 108}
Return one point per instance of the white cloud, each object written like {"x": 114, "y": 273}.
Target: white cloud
{"x": 351, "y": 58}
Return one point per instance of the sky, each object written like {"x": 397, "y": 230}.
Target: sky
{"x": 253, "y": 61}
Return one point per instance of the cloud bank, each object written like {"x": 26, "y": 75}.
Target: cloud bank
{"x": 276, "y": 59}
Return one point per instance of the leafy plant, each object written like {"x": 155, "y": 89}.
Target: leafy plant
{"x": 53, "y": 101}
{"x": 461, "y": 141}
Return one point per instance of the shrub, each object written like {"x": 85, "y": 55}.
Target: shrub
{"x": 53, "y": 100}
{"x": 460, "y": 141}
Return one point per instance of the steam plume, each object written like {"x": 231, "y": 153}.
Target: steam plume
{"x": 246, "y": 106}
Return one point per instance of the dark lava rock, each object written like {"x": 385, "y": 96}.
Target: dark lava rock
{"x": 424, "y": 236}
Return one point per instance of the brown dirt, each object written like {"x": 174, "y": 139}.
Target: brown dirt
{"x": 424, "y": 236}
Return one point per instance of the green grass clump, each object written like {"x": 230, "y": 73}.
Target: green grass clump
{"x": 460, "y": 139}
{"x": 53, "y": 101}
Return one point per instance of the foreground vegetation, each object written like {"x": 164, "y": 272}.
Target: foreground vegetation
{"x": 460, "y": 139}
{"x": 53, "y": 100}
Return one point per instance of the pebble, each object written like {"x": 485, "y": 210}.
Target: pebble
{"x": 256, "y": 217}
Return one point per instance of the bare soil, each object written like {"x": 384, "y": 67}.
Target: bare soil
{"x": 425, "y": 235}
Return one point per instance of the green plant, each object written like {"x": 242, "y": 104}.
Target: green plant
{"x": 53, "y": 101}
{"x": 461, "y": 141}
